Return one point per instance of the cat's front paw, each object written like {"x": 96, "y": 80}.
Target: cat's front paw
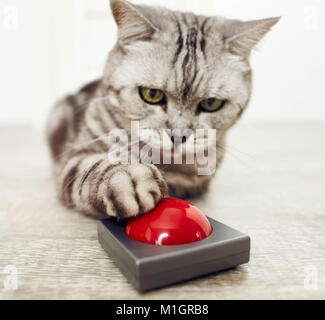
{"x": 135, "y": 190}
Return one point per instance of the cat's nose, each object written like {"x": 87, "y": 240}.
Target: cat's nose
{"x": 183, "y": 139}
{"x": 180, "y": 137}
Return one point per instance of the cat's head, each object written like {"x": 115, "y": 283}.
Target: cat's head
{"x": 179, "y": 70}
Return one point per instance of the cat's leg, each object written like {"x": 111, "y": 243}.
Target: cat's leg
{"x": 89, "y": 183}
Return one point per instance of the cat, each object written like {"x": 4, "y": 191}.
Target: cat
{"x": 167, "y": 70}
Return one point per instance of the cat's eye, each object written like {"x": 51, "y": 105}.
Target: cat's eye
{"x": 212, "y": 104}
{"x": 152, "y": 96}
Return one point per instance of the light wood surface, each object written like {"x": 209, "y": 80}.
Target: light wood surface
{"x": 271, "y": 186}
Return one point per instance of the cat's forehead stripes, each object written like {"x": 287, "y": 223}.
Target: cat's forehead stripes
{"x": 203, "y": 40}
{"x": 190, "y": 41}
{"x": 179, "y": 43}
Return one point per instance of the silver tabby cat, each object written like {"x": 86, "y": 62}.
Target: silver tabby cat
{"x": 167, "y": 70}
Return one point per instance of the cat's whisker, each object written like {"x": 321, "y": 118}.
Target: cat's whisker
{"x": 227, "y": 147}
{"x": 82, "y": 145}
{"x": 224, "y": 149}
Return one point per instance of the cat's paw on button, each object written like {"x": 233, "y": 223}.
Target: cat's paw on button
{"x": 135, "y": 190}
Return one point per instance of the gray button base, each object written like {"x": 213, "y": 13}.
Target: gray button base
{"x": 148, "y": 266}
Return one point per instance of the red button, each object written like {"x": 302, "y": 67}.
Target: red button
{"x": 172, "y": 222}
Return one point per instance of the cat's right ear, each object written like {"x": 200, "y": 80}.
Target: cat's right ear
{"x": 242, "y": 36}
{"x": 132, "y": 25}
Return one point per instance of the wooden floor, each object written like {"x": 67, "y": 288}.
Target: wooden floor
{"x": 271, "y": 186}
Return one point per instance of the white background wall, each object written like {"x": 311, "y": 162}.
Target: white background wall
{"x": 50, "y": 47}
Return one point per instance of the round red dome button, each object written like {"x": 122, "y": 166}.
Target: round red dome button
{"x": 172, "y": 222}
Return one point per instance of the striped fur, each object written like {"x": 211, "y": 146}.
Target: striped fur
{"x": 187, "y": 56}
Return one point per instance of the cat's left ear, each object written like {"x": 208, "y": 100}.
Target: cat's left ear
{"x": 132, "y": 25}
{"x": 241, "y": 37}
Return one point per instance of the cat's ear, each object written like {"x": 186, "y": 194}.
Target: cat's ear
{"x": 132, "y": 25}
{"x": 241, "y": 37}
